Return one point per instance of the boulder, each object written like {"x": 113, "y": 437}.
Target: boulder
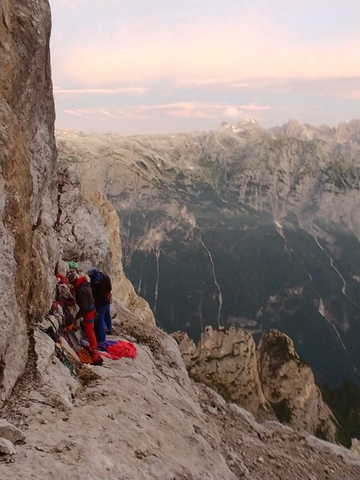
{"x": 10, "y": 432}
{"x": 6, "y": 447}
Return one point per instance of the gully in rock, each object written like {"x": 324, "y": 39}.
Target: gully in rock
{"x": 220, "y": 297}
{"x": 157, "y": 254}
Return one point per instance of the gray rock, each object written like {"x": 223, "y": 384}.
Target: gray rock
{"x": 10, "y": 432}
{"x": 27, "y": 189}
{"x": 6, "y": 447}
{"x": 226, "y": 361}
{"x": 289, "y": 385}
{"x": 43, "y": 217}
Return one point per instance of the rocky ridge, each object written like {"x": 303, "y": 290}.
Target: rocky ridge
{"x": 281, "y": 170}
{"x": 290, "y": 388}
{"x": 226, "y": 361}
{"x": 265, "y": 380}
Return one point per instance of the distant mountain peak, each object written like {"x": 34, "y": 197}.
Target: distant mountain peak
{"x": 246, "y": 124}
{"x": 248, "y": 121}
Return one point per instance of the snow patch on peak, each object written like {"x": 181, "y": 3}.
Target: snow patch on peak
{"x": 239, "y": 127}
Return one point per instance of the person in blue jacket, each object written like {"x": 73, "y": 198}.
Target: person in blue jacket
{"x": 101, "y": 288}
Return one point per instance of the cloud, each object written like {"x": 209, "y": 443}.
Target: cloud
{"x": 337, "y": 87}
{"x": 170, "y": 110}
{"x": 100, "y": 91}
{"x": 355, "y": 95}
{"x": 235, "y": 52}
{"x": 232, "y": 112}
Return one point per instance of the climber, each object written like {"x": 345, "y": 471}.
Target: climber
{"x": 101, "y": 288}
{"x": 73, "y": 267}
{"x": 66, "y": 299}
{"x": 85, "y": 301}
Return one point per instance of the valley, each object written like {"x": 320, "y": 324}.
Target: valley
{"x": 241, "y": 227}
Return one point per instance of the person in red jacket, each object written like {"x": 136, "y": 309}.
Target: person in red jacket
{"x": 86, "y": 303}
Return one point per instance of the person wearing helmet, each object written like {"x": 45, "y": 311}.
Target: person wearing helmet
{"x": 85, "y": 301}
{"x": 101, "y": 289}
{"x": 73, "y": 267}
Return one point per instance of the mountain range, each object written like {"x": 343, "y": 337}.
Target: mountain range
{"x": 241, "y": 226}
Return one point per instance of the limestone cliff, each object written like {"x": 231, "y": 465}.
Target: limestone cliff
{"x": 227, "y": 361}
{"x": 27, "y": 180}
{"x": 89, "y": 233}
{"x": 289, "y": 385}
{"x": 79, "y": 225}
{"x": 43, "y": 214}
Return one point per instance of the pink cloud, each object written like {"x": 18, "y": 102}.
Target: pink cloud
{"x": 170, "y": 110}
{"x": 240, "y": 51}
{"x": 355, "y": 94}
{"x": 101, "y": 91}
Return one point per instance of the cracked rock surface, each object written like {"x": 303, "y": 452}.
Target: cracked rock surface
{"x": 146, "y": 419}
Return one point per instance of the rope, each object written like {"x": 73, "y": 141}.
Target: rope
{"x": 130, "y": 376}
{"x": 149, "y": 355}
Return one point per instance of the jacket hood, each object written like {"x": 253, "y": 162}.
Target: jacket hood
{"x": 98, "y": 277}
{"x": 80, "y": 281}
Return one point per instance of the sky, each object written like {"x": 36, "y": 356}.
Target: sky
{"x": 162, "y": 66}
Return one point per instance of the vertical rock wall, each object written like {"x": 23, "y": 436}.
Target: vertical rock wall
{"x": 28, "y": 247}
{"x": 43, "y": 214}
{"x": 225, "y": 360}
{"x": 289, "y": 385}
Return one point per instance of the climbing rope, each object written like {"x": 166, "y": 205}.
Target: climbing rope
{"x": 119, "y": 375}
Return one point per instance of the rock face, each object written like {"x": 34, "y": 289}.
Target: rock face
{"x": 89, "y": 233}
{"x": 147, "y": 420}
{"x": 262, "y": 224}
{"x": 43, "y": 214}
{"x": 80, "y": 226}
{"x": 289, "y": 385}
{"x": 227, "y": 361}
{"x": 27, "y": 179}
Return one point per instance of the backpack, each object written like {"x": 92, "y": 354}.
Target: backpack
{"x": 90, "y": 356}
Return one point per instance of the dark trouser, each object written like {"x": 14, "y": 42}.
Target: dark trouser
{"x": 104, "y": 322}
